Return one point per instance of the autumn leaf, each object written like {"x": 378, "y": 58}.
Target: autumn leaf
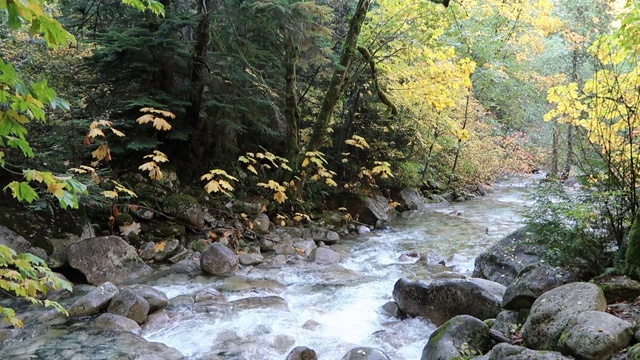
{"x": 133, "y": 228}
{"x": 110, "y": 194}
{"x": 57, "y": 189}
{"x": 102, "y": 153}
{"x": 280, "y": 197}
{"x": 160, "y": 246}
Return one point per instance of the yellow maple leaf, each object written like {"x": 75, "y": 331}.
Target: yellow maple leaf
{"x": 117, "y": 132}
{"x": 161, "y": 124}
{"x": 212, "y": 186}
{"x": 110, "y": 194}
{"x": 102, "y": 153}
{"x": 280, "y": 197}
{"x": 57, "y": 189}
{"x": 160, "y": 246}
{"x": 252, "y": 169}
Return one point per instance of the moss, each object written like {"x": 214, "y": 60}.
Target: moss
{"x": 178, "y": 203}
{"x": 632, "y": 255}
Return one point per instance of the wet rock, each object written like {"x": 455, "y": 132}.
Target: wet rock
{"x": 484, "y": 189}
{"x": 302, "y": 353}
{"x": 324, "y": 256}
{"x": 504, "y": 260}
{"x": 170, "y": 247}
{"x": 261, "y": 224}
{"x": 311, "y": 325}
{"x": 156, "y": 321}
{"x": 181, "y": 302}
{"x": 285, "y": 249}
{"x": 106, "y": 258}
{"x": 200, "y": 245}
{"x": 180, "y": 255}
{"x": 156, "y": 298}
{"x": 209, "y": 294}
{"x": 186, "y": 208}
{"x": 413, "y": 199}
{"x": 595, "y": 335}
{"x": 114, "y": 322}
{"x": 148, "y": 251}
{"x": 441, "y": 300}
{"x": 391, "y": 308}
{"x": 446, "y": 343}
{"x": 241, "y": 283}
{"x": 505, "y": 351}
{"x": 279, "y": 260}
{"x": 94, "y": 301}
{"x": 129, "y": 304}
{"x": 552, "y": 311}
{"x": 250, "y": 259}
{"x": 305, "y": 246}
{"x": 363, "y": 229}
{"x": 260, "y": 302}
{"x": 218, "y": 259}
{"x": 365, "y": 353}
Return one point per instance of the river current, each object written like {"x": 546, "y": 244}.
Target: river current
{"x": 333, "y": 309}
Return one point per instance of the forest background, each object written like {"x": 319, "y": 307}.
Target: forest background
{"x": 292, "y": 103}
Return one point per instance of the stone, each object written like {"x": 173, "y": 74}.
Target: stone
{"x": 106, "y": 258}
{"x": 391, "y": 308}
{"x": 446, "y": 343}
{"x": 261, "y": 224}
{"x": 250, "y": 259}
{"x": 156, "y": 298}
{"x": 260, "y": 302}
{"x": 324, "y": 256}
{"x": 441, "y": 300}
{"x": 413, "y": 199}
{"x": 302, "y": 353}
{"x": 209, "y": 294}
{"x": 507, "y": 322}
{"x": 180, "y": 255}
{"x": 186, "y": 208}
{"x": 148, "y": 251}
{"x": 94, "y": 301}
{"x": 129, "y": 304}
{"x": 114, "y": 322}
{"x": 171, "y": 247}
{"x": 311, "y": 325}
{"x": 218, "y": 259}
{"x": 285, "y": 249}
{"x": 595, "y": 335}
{"x": 618, "y": 288}
{"x": 305, "y": 246}
{"x": 365, "y": 353}
{"x": 505, "y": 259}
{"x": 363, "y": 229}
{"x": 18, "y": 243}
{"x": 200, "y": 245}
{"x": 552, "y": 311}
{"x": 156, "y": 321}
{"x": 504, "y": 351}
{"x": 535, "y": 280}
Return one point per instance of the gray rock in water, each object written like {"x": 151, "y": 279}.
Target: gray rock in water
{"x": 156, "y": 298}
{"x": 302, "y": 353}
{"x": 365, "y": 353}
{"x": 325, "y": 256}
{"x": 505, "y": 351}
{"x": 260, "y": 302}
{"x": 553, "y": 310}
{"x": 413, "y": 199}
{"x": 129, "y": 304}
{"x": 363, "y": 229}
{"x": 171, "y": 247}
{"x": 446, "y": 342}
{"x": 218, "y": 259}
{"x": 106, "y": 258}
{"x": 441, "y": 300}
{"x": 209, "y": 294}
{"x": 94, "y": 301}
{"x": 595, "y": 335}
{"x": 114, "y": 322}
{"x": 504, "y": 260}
{"x": 250, "y": 259}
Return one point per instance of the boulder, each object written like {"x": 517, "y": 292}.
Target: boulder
{"x": 413, "y": 199}
{"x": 94, "y": 301}
{"x": 302, "y": 353}
{"x": 441, "y": 300}
{"x": 552, "y": 311}
{"x": 218, "y": 259}
{"x": 504, "y": 351}
{"x": 507, "y": 322}
{"x": 261, "y": 224}
{"x": 461, "y": 335}
{"x": 535, "y": 280}
{"x": 324, "y": 256}
{"x": 18, "y": 243}
{"x": 129, "y": 304}
{"x": 618, "y": 288}
{"x": 365, "y": 353}
{"x": 209, "y": 294}
{"x": 106, "y": 258}
{"x": 595, "y": 335}
{"x": 171, "y": 247}
{"x": 364, "y": 208}
{"x": 156, "y": 298}
{"x": 305, "y": 246}
{"x": 114, "y": 322}
{"x": 505, "y": 259}
{"x": 250, "y": 259}
{"x": 318, "y": 234}
{"x": 186, "y": 208}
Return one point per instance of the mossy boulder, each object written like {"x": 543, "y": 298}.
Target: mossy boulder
{"x": 461, "y": 335}
{"x": 185, "y": 208}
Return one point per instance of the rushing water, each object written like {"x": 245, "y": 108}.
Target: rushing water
{"x": 332, "y": 309}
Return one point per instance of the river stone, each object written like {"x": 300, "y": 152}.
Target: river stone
{"x": 302, "y": 353}
{"x": 209, "y": 294}
{"x": 536, "y": 280}
{"x": 363, "y": 229}
{"x": 114, "y": 322}
{"x": 505, "y": 259}
{"x": 441, "y": 300}
{"x": 260, "y": 302}
{"x": 129, "y": 304}
{"x": 285, "y": 249}
{"x": 595, "y": 335}
{"x": 305, "y": 246}
{"x": 106, "y": 258}
{"x": 156, "y": 298}
{"x": 413, "y": 199}
{"x": 186, "y": 208}
{"x": 148, "y": 251}
{"x": 324, "y": 256}
{"x": 170, "y": 248}
{"x": 618, "y": 288}
{"x": 507, "y": 321}
{"x": 94, "y": 301}
{"x": 250, "y": 259}
{"x": 504, "y": 351}
{"x": 218, "y": 259}
{"x": 365, "y": 353}
{"x": 459, "y": 334}
{"x": 18, "y": 243}
{"x": 261, "y": 224}
{"x": 156, "y": 321}
{"x": 552, "y": 311}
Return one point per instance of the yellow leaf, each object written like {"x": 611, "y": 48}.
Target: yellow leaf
{"x": 145, "y": 119}
{"x": 280, "y": 197}
{"x": 252, "y": 169}
{"x": 161, "y": 124}
{"x": 305, "y": 162}
{"x": 95, "y": 132}
{"x": 57, "y": 189}
{"x": 117, "y": 132}
{"x": 110, "y": 194}
{"x": 212, "y": 186}
{"x": 330, "y": 182}
{"x": 102, "y": 153}
{"x": 148, "y": 166}
{"x": 160, "y": 246}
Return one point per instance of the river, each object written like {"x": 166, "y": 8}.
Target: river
{"x": 332, "y": 309}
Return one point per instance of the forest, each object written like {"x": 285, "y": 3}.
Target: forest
{"x": 108, "y": 106}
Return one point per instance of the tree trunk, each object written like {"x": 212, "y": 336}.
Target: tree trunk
{"x": 569, "y": 160}
{"x": 199, "y": 60}
{"x": 292, "y": 112}
{"x": 337, "y": 80}
{"x": 553, "y": 172}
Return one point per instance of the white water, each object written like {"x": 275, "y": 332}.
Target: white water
{"x": 346, "y": 300}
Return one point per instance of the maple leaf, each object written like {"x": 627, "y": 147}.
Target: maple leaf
{"x": 110, "y": 194}
{"x": 280, "y": 197}
{"x": 57, "y": 189}
{"x": 117, "y": 132}
{"x": 145, "y": 118}
{"x": 161, "y": 124}
{"x": 160, "y": 246}
{"x": 102, "y": 153}
{"x": 133, "y": 228}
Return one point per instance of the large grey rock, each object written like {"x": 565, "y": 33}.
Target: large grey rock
{"x": 504, "y": 260}
{"x": 461, "y": 334}
{"x": 250, "y": 259}
{"x": 507, "y": 322}
{"x": 18, "y": 243}
{"x": 324, "y": 256}
{"x": 504, "y": 351}
{"x": 618, "y": 288}
{"x": 129, "y": 304}
{"x": 186, "y": 208}
{"x": 218, "y": 259}
{"x": 596, "y": 335}
{"x": 441, "y": 300}
{"x": 156, "y": 298}
{"x": 261, "y": 224}
{"x": 536, "y": 280}
{"x": 114, "y": 322}
{"x": 94, "y": 301}
{"x": 365, "y": 353}
{"x": 413, "y": 199}
{"x": 106, "y": 258}
{"x": 302, "y": 353}
{"x": 553, "y": 310}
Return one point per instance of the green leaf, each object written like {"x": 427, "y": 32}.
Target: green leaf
{"x": 22, "y": 191}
